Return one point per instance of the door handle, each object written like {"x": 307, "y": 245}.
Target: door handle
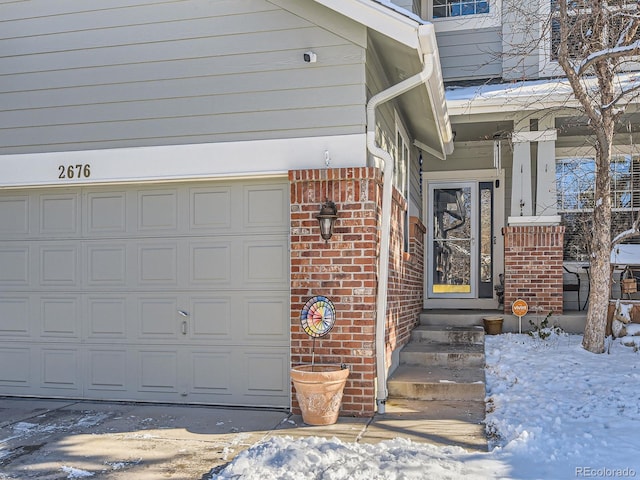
{"x": 184, "y": 322}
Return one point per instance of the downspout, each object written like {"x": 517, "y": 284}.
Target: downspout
{"x": 387, "y": 189}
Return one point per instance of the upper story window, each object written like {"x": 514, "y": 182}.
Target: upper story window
{"x": 621, "y": 15}
{"x": 458, "y": 15}
{"x": 457, "y": 8}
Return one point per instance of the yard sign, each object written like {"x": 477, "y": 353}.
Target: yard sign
{"x": 519, "y": 309}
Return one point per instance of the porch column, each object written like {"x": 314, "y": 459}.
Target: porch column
{"x": 546, "y": 202}
{"x": 521, "y": 199}
{"x": 533, "y": 267}
{"x": 522, "y": 208}
{"x": 533, "y": 242}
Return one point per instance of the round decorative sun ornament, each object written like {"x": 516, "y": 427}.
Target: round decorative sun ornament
{"x": 318, "y": 316}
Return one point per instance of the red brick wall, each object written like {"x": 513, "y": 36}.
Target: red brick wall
{"x": 533, "y": 267}
{"x": 345, "y": 270}
{"x": 406, "y": 277}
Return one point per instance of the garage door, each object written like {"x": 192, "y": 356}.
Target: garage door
{"x": 167, "y": 292}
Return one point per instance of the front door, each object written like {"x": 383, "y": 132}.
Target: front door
{"x": 460, "y": 240}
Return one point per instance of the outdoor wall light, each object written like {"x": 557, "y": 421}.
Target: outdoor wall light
{"x": 326, "y": 218}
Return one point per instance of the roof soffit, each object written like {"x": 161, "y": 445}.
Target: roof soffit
{"x": 401, "y": 42}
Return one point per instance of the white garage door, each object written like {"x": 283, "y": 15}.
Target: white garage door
{"x": 172, "y": 292}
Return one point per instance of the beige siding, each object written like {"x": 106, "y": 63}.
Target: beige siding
{"x": 80, "y": 75}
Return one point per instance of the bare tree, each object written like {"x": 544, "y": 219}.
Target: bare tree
{"x": 597, "y": 41}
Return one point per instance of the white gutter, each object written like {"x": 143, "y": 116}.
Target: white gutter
{"x": 387, "y": 188}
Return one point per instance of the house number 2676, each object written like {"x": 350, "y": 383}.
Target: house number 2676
{"x": 80, "y": 170}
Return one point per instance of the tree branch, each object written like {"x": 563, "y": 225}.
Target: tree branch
{"x": 632, "y": 232}
{"x": 609, "y": 54}
{"x": 563, "y": 60}
{"x": 622, "y": 94}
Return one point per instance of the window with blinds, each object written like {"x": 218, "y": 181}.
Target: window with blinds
{"x": 620, "y": 17}
{"x": 575, "y": 182}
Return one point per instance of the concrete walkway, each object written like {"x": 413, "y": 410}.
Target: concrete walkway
{"x": 59, "y": 439}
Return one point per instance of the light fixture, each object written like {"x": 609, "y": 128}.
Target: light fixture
{"x": 326, "y": 218}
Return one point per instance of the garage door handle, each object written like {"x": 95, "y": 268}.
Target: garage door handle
{"x": 184, "y": 322}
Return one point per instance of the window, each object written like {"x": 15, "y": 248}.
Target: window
{"x": 458, "y": 15}
{"x": 401, "y": 174}
{"x": 401, "y": 166}
{"x": 581, "y": 19}
{"x": 575, "y": 182}
{"x": 457, "y": 8}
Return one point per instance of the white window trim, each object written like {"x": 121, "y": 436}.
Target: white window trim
{"x": 402, "y": 132}
{"x": 467, "y": 22}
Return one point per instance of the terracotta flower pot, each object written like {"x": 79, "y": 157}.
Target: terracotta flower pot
{"x": 493, "y": 325}
{"x": 319, "y": 392}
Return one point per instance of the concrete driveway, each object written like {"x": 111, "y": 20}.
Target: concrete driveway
{"x": 63, "y": 439}
{"x": 54, "y": 439}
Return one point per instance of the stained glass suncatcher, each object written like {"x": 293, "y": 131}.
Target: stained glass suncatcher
{"x": 318, "y": 316}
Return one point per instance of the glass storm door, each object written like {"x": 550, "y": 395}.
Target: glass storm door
{"x": 460, "y": 240}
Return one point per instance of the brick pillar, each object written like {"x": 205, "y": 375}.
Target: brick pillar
{"x": 344, "y": 269}
{"x": 533, "y": 267}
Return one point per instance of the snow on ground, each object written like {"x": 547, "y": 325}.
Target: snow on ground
{"x": 554, "y": 411}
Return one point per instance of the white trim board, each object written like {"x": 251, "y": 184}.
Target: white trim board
{"x": 183, "y": 162}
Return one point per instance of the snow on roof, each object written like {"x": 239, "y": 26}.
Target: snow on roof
{"x": 503, "y": 90}
{"x": 522, "y": 95}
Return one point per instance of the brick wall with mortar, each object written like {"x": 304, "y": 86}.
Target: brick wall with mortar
{"x": 533, "y": 267}
{"x": 345, "y": 270}
{"x": 406, "y": 277}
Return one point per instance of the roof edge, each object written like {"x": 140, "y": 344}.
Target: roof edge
{"x": 418, "y": 36}
{"x": 378, "y": 17}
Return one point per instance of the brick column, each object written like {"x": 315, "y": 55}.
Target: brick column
{"x": 343, "y": 269}
{"x": 533, "y": 267}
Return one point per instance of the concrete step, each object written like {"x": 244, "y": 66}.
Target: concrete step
{"x": 456, "y": 318}
{"x": 438, "y": 354}
{"x": 437, "y": 422}
{"x": 438, "y": 383}
{"x": 448, "y": 334}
